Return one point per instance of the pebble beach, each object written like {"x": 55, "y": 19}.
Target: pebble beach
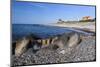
{"x": 84, "y": 52}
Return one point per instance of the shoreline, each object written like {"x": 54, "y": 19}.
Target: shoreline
{"x": 89, "y": 26}
{"x": 83, "y": 52}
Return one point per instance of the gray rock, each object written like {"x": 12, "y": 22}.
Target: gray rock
{"x": 85, "y": 51}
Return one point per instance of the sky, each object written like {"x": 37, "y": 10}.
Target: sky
{"x": 44, "y": 13}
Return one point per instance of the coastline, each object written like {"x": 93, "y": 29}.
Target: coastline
{"x": 84, "y": 52}
{"x": 89, "y": 26}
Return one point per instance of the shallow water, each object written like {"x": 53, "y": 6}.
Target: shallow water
{"x": 43, "y": 31}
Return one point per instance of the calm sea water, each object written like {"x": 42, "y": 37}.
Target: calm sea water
{"x": 43, "y": 31}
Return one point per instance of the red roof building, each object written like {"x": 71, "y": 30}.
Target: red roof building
{"x": 87, "y": 18}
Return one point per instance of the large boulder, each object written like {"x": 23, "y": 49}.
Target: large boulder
{"x": 66, "y": 41}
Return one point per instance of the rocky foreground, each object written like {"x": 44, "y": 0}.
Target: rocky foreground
{"x": 85, "y": 51}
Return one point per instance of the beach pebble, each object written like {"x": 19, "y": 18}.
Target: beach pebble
{"x": 85, "y": 51}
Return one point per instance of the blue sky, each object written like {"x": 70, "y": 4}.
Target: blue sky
{"x": 44, "y": 13}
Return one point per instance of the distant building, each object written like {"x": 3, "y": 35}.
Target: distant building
{"x": 87, "y": 18}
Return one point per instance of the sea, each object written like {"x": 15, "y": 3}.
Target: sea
{"x": 42, "y": 31}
